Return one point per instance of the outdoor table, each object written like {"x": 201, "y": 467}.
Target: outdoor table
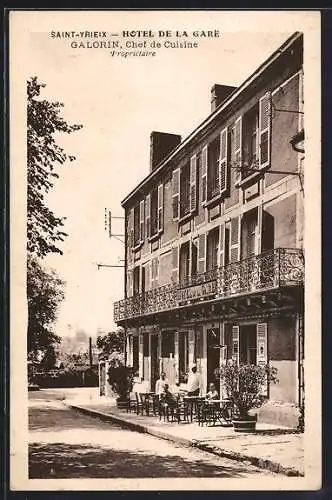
{"x": 213, "y": 410}
{"x": 192, "y": 402}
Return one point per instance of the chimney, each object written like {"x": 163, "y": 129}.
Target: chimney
{"x": 161, "y": 144}
{"x": 219, "y": 93}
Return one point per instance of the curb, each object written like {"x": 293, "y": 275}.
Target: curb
{"x": 201, "y": 445}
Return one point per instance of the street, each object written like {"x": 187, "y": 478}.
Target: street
{"x": 67, "y": 444}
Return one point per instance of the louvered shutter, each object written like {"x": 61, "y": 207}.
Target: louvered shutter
{"x": 191, "y": 346}
{"x": 131, "y": 228}
{"x": 193, "y": 183}
{"x": 264, "y": 130}
{"x": 148, "y": 215}
{"x": 223, "y": 167}
{"x": 235, "y": 343}
{"x": 141, "y": 220}
{"x": 221, "y": 244}
{"x": 176, "y": 194}
{"x": 160, "y": 207}
{"x": 140, "y": 355}
{"x": 204, "y": 173}
{"x": 147, "y": 277}
{"x": 202, "y": 253}
{"x": 238, "y": 147}
{"x": 258, "y": 248}
{"x": 176, "y": 356}
{"x": 175, "y": 264}
{"x": 156, "y": 271}
{"x": 130, "y": 283}
{"x": 262, "y": 350}
{"x": 235, "y": 239}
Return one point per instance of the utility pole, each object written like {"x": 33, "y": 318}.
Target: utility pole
{"x": 90, "y": 351}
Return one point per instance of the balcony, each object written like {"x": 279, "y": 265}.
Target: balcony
{"x": 273, "y": 269}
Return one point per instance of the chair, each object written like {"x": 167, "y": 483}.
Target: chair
{"x": 182, "y": 410}
{"x": 132, "y": 403}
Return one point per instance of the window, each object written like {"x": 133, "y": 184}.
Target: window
{"x": 184, "y": 262}
{"x": 154, "y": 212}
{"x": 136, "y": 280}
{"x": 213, "y": 168}
{"x": 183, "y": 355}
{"x": 212, "y": 249}
{"x": 137, "y": 236}
{"x": 185, "y": 190}
{"x": 155, "y": 222}
{"x": 250, "y": 141}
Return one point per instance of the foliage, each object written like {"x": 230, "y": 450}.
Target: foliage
{"x": 244, "y": 384}
{"x": 45, "y": 292}
{"x": 44, "y": 229}
{"x": 120, "y": 377}
{"x": 49, "y": 359}
{"x": 110, "y": 343}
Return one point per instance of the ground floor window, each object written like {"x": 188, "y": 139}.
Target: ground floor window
{"x": 183, "y": 356}
{"x": 135, "y": 354}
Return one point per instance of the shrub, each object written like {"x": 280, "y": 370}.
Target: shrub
{"x": 120, "y": 377}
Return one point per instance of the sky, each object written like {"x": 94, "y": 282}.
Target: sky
{"x": 120, "y": 102}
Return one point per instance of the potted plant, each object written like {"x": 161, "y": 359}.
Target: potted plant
{"x": 244, "y": 384}
{"x": 120, "y": 378}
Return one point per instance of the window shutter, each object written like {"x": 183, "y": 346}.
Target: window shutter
{"x": 176, "y": 193}
{"x": 160, "y": 207}
{"x": 148, "y": 215}
{"x": 264, "y": 130}
{"x": 238, "y": 147}
{"x": 202, "y": 253}
{"x": 235, "y": 343}
{"x": 175, "y": 264}
{"x": 176, "y": 356}
{"x": 221, "y": 244}
{"x": 262, "y": 349}
{"x": 140, "y": 355}
{"x": 235, "y": 239}
{"x": 223, "y": 161}
{"x": 147, "y": 277}
{"x": 258, "y": 248}
{"x": 204, "y": 173}
{"x": 193, "y": 183}
{"x": 156, "y": 271}
{"x": 141, "y": 220}
{"x": 130, "y": 283}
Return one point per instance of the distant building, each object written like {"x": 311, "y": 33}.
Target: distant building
{"x": 214, "y": 265}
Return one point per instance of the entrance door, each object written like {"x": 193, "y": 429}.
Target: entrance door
{"x": 167, "y": 355}
{"x": 248, "y": 344}
{"x": 154, "y": 361}
{"x": 213, "y": 355}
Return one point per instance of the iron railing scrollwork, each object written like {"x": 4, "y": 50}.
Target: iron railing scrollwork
{"x": 269, "y": 270}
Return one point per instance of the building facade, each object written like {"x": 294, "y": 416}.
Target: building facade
{"x": 214, "y": 264}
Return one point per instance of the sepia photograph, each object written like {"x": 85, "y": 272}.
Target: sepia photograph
{"x": 165, "y": 250}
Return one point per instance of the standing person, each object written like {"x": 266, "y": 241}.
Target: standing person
{"x": 160, "y": 384}
{"x": 193, "y": 383}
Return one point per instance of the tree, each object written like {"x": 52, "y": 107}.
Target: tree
{"x": 49, "y": 359}
{"x": 45, "y": 292}
{"x": 111, "y": 342}
{"x": 45, "y": 230}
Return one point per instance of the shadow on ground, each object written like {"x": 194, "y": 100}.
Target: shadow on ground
{"x": 59, "y": 460}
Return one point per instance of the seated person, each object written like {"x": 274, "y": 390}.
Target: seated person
{"x": 212, "y": 393}
{"x": 160, "y": 384}
{"x": 167, "y": 397}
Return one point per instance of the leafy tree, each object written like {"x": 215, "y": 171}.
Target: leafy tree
{"x": 44, "y": 228}
{"x": 45, "y": 292}
{"x": 49, "y": 359}
{"x": 44, "y": 121}
{"x": 110, "y": 343}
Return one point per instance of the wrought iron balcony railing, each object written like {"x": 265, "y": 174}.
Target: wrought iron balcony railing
{"x": 270, "y": 270}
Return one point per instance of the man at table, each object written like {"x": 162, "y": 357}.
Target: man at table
{"x": 193, "y": 383}
{"x": 160, "y": 384}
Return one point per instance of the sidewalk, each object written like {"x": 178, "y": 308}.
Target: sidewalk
{"x": 274, "y": 448}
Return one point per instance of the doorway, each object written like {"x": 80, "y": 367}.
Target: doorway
{"x": 213, "y": 355}
{"x": 154, "y": 360}
{"x": 248, "y": 344}
{"x": 167, "y": 355}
